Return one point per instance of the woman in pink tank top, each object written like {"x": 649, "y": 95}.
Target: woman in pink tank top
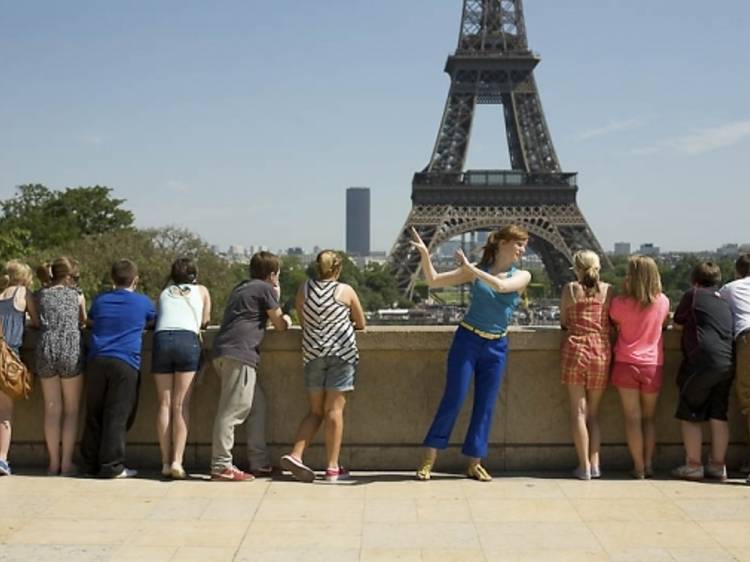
{"x": 639, "y": 315}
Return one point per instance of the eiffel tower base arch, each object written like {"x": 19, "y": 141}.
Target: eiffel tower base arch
{"x": 556, "y": 233}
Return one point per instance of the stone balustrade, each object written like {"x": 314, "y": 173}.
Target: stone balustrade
{"x": 399, "y": 383}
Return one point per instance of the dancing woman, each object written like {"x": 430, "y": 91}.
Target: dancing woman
{"x": 480, "y": 345}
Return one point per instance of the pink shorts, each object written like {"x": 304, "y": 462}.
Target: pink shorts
{"x": 646, "y": 378}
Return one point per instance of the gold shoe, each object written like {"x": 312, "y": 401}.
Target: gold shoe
{"x": 424, "y": 472}
{"x": 477, "y": 472}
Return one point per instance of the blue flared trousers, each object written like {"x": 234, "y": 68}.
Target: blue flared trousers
{"x": 470, "y": 356}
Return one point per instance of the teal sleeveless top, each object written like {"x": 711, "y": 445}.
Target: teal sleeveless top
{"x": 489, "y": 310}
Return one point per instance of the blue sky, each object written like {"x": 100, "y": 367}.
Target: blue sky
{"x": 245, "y": 121}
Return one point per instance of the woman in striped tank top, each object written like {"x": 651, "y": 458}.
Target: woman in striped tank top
{"x": 330, "y": 312}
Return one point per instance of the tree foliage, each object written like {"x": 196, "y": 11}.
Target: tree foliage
{"x": 38, "y": 218}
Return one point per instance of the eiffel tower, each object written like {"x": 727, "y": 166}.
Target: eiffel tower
{"x": 493, "y": 65}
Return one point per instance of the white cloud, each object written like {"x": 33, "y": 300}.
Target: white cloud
{"x": 711, "y": 139}
{"x": 613, "y": 127}
{"x": 703, "y": 140}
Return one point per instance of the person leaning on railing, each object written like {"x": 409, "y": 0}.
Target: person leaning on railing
{"x": 15, "y": 302}
{"x": 585, "y": 357}
{"x": 737, "y": 294}
{"x": 183, "y": 309}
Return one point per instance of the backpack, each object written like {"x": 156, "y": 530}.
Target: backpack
{"x": 15, "y": 377}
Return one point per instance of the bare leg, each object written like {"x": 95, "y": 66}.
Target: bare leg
{"x": 6, "y": 413}
{"x": 310, "y": 423}
{"x": 719, "y": 441}
{"x": 648, "y": 412}
{"x": 430, "y": 454}
{"x": 164, "y": 383}
{"x": 71, "y": 394}
{"x": 593, "y": 400}
{"x": 334, "y": 415}
{"x": 578, "y": 414}
{"x": 692, "y": 438}
{"x": 631, "y": 406}
{"x": 180, "y": 408}
{"x": 53, "y": 409}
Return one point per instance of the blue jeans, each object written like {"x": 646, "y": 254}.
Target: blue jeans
{"x": 470, "y": 356}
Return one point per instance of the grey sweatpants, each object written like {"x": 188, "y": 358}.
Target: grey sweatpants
{"x": 241, "y": 401}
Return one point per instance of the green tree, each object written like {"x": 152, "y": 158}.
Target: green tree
{"x": 13, "y": 243}
{"x": 42, "y": 218}
{"x": 292, "y": 275}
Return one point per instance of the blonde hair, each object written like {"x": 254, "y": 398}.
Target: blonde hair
{"x": 586, "y": 267}
{"x": 16, "y": 273}
{"x": 510, "y": 233}
{"x": 642, "y": 280}
{"x": 328, "y": 264}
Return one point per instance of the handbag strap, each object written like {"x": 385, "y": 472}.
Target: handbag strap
{"x": 195, "y": 314}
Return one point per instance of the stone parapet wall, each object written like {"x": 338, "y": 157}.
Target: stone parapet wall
{"x": 399, "y": 383}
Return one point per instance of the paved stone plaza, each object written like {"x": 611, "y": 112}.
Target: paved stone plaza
{"x": 378, "y": 516}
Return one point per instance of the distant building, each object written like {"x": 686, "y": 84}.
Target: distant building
{"x": 295, "y": 251}
{"x": 622, "y": 248}
{"x": 235, "y": 250}
{"x": 728, "y": 250}
{"x": 648, "y": 249}
{"x": 358, "y": 221}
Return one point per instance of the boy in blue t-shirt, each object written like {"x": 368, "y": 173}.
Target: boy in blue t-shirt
{"x": 117, "y": 320}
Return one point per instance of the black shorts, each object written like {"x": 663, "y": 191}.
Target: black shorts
{"x": 704, "y": 393}
{"x": 175, "y": 351}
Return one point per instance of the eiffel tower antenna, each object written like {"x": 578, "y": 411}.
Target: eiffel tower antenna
{"x": 493, "y": 65}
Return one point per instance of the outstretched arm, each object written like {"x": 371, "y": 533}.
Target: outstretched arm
{"x": 515, "y": 284}
{"x": 434, "y": 279}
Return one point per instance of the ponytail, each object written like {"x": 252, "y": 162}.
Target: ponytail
{"x": 506, "y": 234}
{"x": 586, "y": 267}
{"x": 328, "y": 264}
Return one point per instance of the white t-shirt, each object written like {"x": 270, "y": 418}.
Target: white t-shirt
{"x": 737, "y": 294}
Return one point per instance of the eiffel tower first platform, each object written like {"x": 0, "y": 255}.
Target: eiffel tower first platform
{"x": 493, "y": 65}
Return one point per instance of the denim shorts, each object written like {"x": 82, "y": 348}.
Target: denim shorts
{"x": 329, "y": 373}
{"x": 176, "y": 351}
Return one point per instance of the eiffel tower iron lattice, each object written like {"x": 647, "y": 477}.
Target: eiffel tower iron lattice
{"x": 493, "y": 65}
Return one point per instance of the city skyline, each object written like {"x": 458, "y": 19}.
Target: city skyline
{"x": 178, "y": 107}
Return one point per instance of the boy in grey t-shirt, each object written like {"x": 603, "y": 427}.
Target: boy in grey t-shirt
{"x": 251, "y": 306}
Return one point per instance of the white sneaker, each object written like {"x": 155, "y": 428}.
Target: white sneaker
{"x": 127, "y": 473}
{"x": 716, "y": 471}
{"x": 687, "y": 472}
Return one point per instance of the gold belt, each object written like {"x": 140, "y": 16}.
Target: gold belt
{"x": 482, "y": 333}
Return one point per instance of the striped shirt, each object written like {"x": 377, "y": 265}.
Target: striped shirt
{"x": 328, "y": 329}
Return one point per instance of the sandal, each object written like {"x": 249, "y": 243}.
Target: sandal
{"x": 478, "y": 472}
{"x": 424, "y": 472}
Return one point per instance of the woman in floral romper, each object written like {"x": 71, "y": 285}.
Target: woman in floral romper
{"x": 62, "y": 311}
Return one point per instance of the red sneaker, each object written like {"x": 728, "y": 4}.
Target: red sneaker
{"x": 336, "y": 474}
{"x": 232, "y": 474}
